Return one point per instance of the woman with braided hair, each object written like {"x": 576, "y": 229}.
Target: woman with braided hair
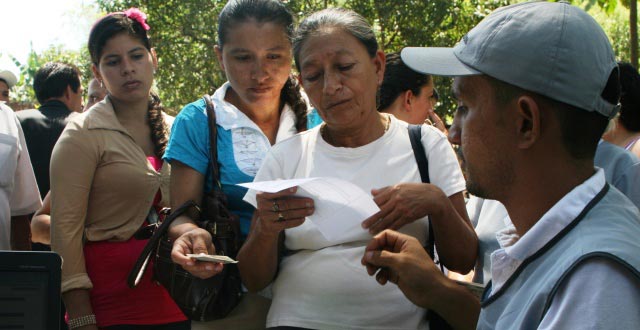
{"x": 108, "y": 180}
{"x": 259, "y": 105}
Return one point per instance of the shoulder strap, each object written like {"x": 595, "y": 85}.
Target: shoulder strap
{"x": 141, "y": 264}
{"x": 213, "y": 142}
{"x": 415, "y": 136}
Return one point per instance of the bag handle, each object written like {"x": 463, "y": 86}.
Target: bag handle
{"x": 415, "y": 136}
{"x": 141, "y": 264}
{"x": 213, "y": 141}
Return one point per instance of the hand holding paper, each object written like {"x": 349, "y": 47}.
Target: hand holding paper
{"x": 340, "y": 206}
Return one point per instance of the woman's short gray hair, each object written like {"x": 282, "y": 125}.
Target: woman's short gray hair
{"x": 347, "y": 20}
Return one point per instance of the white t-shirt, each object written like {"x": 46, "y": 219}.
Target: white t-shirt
{"x": 321, "y": 284}
{"x": 19, "y": 193}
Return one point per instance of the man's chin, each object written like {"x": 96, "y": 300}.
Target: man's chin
{"x": 476, "y": 190}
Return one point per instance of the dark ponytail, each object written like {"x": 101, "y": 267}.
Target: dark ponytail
{"x": 291, "y": 95}
{"x": 159, "y": 129}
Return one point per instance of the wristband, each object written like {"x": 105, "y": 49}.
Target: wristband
{"x": 81, "y": 321}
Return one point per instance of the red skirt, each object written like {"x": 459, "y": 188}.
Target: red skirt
{"x": 108, "y": 264}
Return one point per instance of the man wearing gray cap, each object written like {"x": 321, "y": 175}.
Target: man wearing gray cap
{"x": 536, "y": 84}
{"x": 7, "y": 80}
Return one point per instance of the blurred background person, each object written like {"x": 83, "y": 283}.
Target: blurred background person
{"x": 7, "y": 80}
{"x": 95, "y": 93}
{"x": 59, "y": 92}
{"x": 19, "y": 195}
{"x": 409, "y": 95}
{"x": 625, "y": 129}
{"x": 41, "y": 221}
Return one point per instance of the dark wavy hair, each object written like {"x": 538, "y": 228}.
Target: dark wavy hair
{"x": 115, "y": 24}
{"x": 399, "y": 78}
{"x": 629, "y": 97}
{"x": 266, "y": 11}
{"x": 52, "y": 79}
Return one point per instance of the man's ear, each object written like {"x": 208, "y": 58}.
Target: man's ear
{"x": 528, "y": 121}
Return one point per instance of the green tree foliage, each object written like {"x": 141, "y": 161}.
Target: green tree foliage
{"x": 184, "y": 33}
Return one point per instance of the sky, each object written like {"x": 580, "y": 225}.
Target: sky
{"x": 42, "y": 23}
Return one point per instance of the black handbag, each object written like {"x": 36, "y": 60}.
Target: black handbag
{"x": 436, "y": 322}
{"x": 212, "y": 298}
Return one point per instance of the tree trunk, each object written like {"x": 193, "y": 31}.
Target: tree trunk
{"x": 633, "y": 31}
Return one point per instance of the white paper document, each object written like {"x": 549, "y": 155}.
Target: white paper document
{"x": 340, "y": 206}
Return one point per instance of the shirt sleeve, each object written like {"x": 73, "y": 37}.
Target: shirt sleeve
{"x": 444, "y": 168}
{"x": 74, "y": 161}
{"x": 189, "y": 142}
{"x": 600, "y": 294}
{"x": 25, "y": 198}
{"x": 628, "y": 182}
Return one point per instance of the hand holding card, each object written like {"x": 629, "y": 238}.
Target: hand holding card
{"x": 212, "y": 258}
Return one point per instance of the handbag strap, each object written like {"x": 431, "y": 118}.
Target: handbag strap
{"x": 141, "y": 264}
{"x": 415, "y": 136}
{"x": 213, "y": 142}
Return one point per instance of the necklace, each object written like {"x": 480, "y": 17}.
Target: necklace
{"x": 327, "y": 137}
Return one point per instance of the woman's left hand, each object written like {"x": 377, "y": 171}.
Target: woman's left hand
{"x": 402, "y": 204}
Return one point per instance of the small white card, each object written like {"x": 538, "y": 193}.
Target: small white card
{"x": 212, "y": 258}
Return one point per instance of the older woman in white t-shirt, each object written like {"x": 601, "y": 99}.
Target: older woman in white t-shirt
{"x": 319, "y": 283}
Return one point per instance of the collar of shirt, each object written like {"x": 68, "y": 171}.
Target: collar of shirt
{"x": 102, "y": 116}
{"x": 514, "y": 249}
{"x": 230, "y": 117}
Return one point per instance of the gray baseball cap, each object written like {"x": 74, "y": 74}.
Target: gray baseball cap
{"x": 551, "y": 48}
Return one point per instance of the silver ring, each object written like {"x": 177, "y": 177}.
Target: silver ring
{"x": 280, "y": 216}
{"x": 275, "y": 207}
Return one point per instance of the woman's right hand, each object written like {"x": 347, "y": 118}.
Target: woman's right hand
{"x": 281, "y": 210}
{"x": 195, "y": 241}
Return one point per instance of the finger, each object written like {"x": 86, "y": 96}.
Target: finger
{"x": 376, "y": 192}
{"x": 204, "y": 269}
{"x": 293, "y": 203}
{"x": 265, "y": 196}
{"x": 393, "y": 220}
{"x": 381, "y": 196}
{"x": 372, "y": 220}
{"x": 291, "y": 223}
{"x": 378, "y": 242}
{"x": 179, "y": 252}
{"x": 382, "y": 276}
{"x": 293, "y": 214}
{"x": 383, "y": 224}
{"x": 382, "y": 258}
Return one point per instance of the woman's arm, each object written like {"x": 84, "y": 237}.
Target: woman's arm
{"x": 73, "y": 164}
{"x": 258, "y": 257}
{"x": 188, "y": 184}
{"x": 41, "y": 222}
{"x": 78, "y": 304}
{"x": 456, "y": 241}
